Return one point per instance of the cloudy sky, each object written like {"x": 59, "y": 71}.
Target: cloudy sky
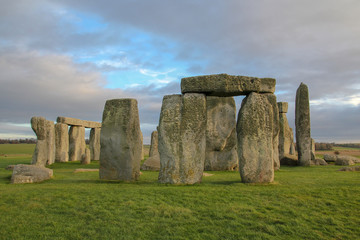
{"x": 66, "y": 58}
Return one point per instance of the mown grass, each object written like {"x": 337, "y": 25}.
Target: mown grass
{"x": 303, "y": 203}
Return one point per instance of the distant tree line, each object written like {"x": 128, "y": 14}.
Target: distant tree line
{"x": 17, "y": 141}
{"x": 349, "y": 145}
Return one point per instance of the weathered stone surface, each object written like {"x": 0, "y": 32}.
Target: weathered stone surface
{"x": 153, "y": 162}
{"x": 283, "y": 107}
{"x": 344, "y": 161}
{"x": 224, "y": 85}
{"x": 77, "y": 143}
{"x": 330, "y": 157}
{"x": 45, "y": 147}
{"x": 286, "y": 136}
{"x": 182, "y": 138}
{"x": 350, "y": 169}
{"x": 348, "y": 158}
{"x": 302, "y": 123}
{"x": 78, "y": 122}
{"x": 120, "y": 140}
{"x": 221, "y": 140}
{"x": 255, "y": 129}
{"x": 30, "y": 174}
{"x": 94, "y": 143}
{"x": 61, "y": 142}
{"x": 318, "y": 161}
{"x": 313, "y": 157}
{"x": 276, "y": 129}
{"x": 289, "y": 160}
{"x": 85, "y": 158}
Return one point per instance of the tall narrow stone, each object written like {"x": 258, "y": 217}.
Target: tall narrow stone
{"x": 94, "y": 143}
{"x": 286, "y": 136}
{"x": 276, "y": 129}
{"x": 153, "y": 162}
{"x": 45, "y": 147}
{"x": 313, "y": 156}
{"x": 61, "y": 142}
{"x": 182, "y": 138}
{"x": 302, "y": 123}
{"x": 77, "y": 143}
{"x": 255, "y": 133}
{"x": 221, "y": 141}
{"x": 121, "y": 145}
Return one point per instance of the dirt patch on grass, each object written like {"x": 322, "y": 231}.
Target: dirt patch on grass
{"x": 85, "y": 170}
{"x": 207, "y": 174}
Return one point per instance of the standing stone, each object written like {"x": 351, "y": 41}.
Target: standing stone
{"x": 45, "y": 147}
{"x": 221, "y": 141}
{"x": 313, "y": 156}
{"x": 121, "y": 145}
{"x": 61, "y": 142}
{"x": 153, "y": 162}
{"x": 94, "y": 143}
{"x": 276, "y": 129}
{"x": 286, "y": 136}
{"x": 85, "y": 158}
{"x": 302, "y": 123}
{"x": 255, "y": 133}
{"x": 182, "y": 138}
{"x": 77, "y": 143}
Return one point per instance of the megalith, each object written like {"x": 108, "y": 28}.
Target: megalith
{"x": 30, "y": 174}
{"x": 255, "y": 134}
{"x": 182, "y": 138}
{"x": 45, "y": 147}
{"x": 120, "y": 140}
{"x": 276, "y": 129}
{"x": 221, "y": 140}
{"x": 85, "y": 158}
{"x": 77, "y": 143}
{"x": 153, "y": 162}
{"x": 286, "y": 136}
{"x": 61, "y": 142}
{"x": 302, "y": 123}
{"x": 94, "y": 143}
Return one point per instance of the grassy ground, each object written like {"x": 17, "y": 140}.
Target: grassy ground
{"x": 304, "y": 203}
{"x": 342, "y": 150}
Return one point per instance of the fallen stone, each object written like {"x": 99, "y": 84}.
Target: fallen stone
{"x": 224, "y": 85}
{"x": 318, "y": 161}
{"x": 348, "y": 158}
{"x": 30, "y": 174}
{"x": 207, "y": 174}
{"x": 77, "y": 143}
{"x": 61, "y": 142}
{"x": 120, "y": 140}
{"x": 182, "y": 138}
{"x": 94, "y": 143}
{"x": 344, "y": 161}
{"x": 221, "y": 141}
{"x": 350, "y": 169}
{"x": 79, "y": 170}
{"x": 289, "y": 160}
{"x": 151, "y": 164}
{"x": 302, "y": 123}
{"x": 330, "y": 157}
{"x": 85, "y": 158}
{"x": 255, "y": 139}
{"x": 78, "y": 122}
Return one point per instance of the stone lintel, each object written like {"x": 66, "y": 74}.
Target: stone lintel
{"x": 224, "y": 85}
{"x": 78, "y": 122}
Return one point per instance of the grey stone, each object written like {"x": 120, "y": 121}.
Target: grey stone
{"x": 94, "y": 143}
{"x": 276, "y": 129}
{"x": 348, "y": 158}
{"x": 283, "y": 107}
{"x": 153, "y": 162}
{"x": 224, "y": 85}
{"x": 182, "y": 138}
{"x": 78, "y": 122}
{"x": 286, "y": 135}
{"x": 302, "y": 123}
{"x": 120, "y": 140}
{"x": 30, "y": 174}
{"x": 255, "y": 129}
{"x": 289, "y": 160}
{"x": 45, "y": 147}
{"x": 330, "y": 157}
{"x": 313, "y": 156}
{"x": 77, "y": 143}
{"x": 154, "y": 144}
{"x": 344, "y": 161}
{"x": 61, "y": 142}
{"x": 318, "y": 161}
{"x": 221, "y": 140}
{"x": 85, "y": 158}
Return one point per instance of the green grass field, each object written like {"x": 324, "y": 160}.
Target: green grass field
{"x": 303, "y": 203}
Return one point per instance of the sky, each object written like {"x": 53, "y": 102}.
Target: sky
{"x": 66, "y": 58}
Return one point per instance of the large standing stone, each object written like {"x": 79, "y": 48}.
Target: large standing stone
{"x": 286, "y": 136}
{"x": 313, "y": 156}
{"x": 121, "y": 145}
{"x": 255, "y": 132}
{"x": 276, "y": 130}
{"x": 61, "y": 142}
{"x": 221, "y": 141}
{"x": 224, "y": 85}
{"x": 30, "y": 174}
{"x": 45, "y": 147}
{"x": 94, "y": 143}
{"x": 182, "y": 138}
{"x": 153, "y": 162}
{"x": 77, "y": 143}
{"x": 302, "y": 123}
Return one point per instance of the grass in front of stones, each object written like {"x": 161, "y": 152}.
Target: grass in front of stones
{"x": 303, "y": 203}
